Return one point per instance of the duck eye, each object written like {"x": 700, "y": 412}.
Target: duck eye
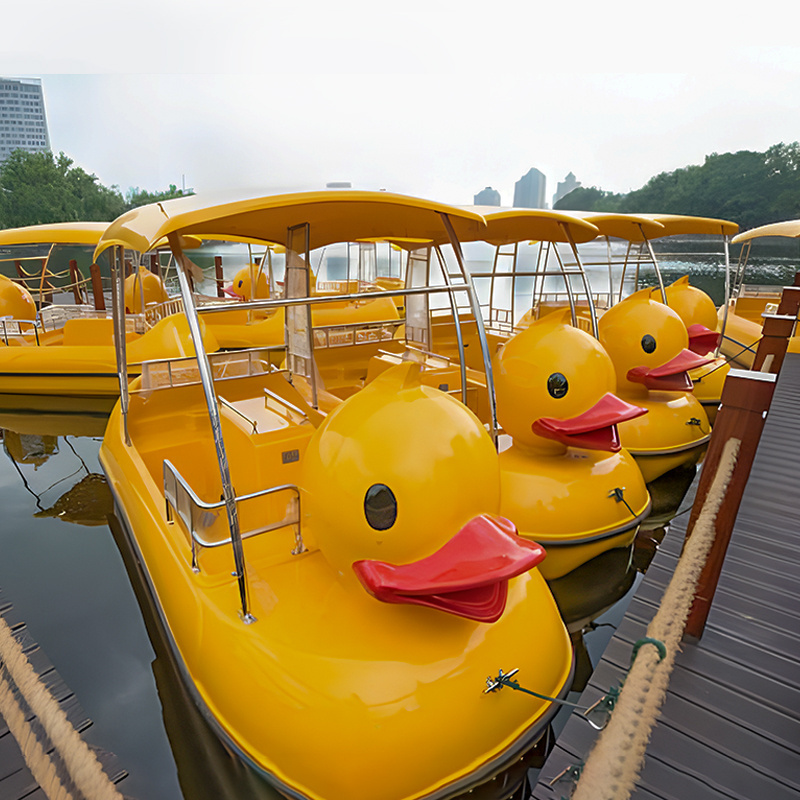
{"x": 557, "y": 385}
{"x": 648, "y": 343}
{"x": 380, "y": 507}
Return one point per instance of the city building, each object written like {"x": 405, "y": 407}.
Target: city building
{"x": 487, "y": 197}
{"x": 529, "y": 190}
{"x": 563, "y": 188}
{"x": 23, "y": 124}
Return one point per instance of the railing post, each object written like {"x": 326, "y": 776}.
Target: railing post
{"x": 97, "y": 288}
{"x": 218, "y": 275}
{"x": 76, "y": 278}
{"x": 155, "y": 265}
{"x": 746, "y": 397}
{"x": 777, "y": 329}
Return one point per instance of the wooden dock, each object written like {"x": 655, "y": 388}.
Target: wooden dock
{"x": 17, "y": 781}
{"x": 730, "y": 725}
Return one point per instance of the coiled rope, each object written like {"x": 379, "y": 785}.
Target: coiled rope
{"x": 85, "y": 771}
{"x": 615, "y": 762}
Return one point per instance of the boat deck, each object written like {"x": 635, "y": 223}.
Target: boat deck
{"x": 730, "y": 726}
{"x": 16, "y": 779}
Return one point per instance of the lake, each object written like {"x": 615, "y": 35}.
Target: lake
{"x": 68, "y": 581}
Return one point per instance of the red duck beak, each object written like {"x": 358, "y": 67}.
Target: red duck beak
{"x": 702, "y": 340}
{"x": 595, "y": 429}
{"x": 467, "y": 577}
{"x": 672, "y": 376}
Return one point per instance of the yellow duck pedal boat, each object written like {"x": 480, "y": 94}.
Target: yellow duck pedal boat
{"x": 376, "y": 586}
{"x": 362, "y": 674}
{"x": 566, "y": 481}
{"x": 79, "y": 360}
{"x": 648, "y": 343}
{"x": 699, "y": 314}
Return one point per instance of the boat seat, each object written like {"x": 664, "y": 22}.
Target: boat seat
{"x": 88, "y": 331}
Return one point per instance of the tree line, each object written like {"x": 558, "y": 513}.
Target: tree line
{"x": 37, "y": 188}
{"x": 745, "y": 187}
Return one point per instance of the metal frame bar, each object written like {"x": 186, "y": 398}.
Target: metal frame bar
{"x": 216, "y": 425}
{"x": 116, "y": 260}
{"x": 476, "y": 312}
{"x": 457, "y": 325}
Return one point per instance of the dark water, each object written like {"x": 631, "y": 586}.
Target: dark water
{"x": 65, "y": 572}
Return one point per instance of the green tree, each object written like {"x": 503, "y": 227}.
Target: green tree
{"x": 747, "y": 187}
{"x": 589, "y": 199}
{"x": 37, "y": 188}
{"x": 139, "y": 197}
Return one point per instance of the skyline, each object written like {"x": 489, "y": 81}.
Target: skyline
{"x": 159, "y": 155}
{"x": 415, "y": 99}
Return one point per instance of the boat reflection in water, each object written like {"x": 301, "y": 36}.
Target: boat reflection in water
{"x": 33, "y": 437}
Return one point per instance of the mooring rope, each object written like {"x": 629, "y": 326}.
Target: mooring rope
{"x": 81, "y": 763}
{"x": 614, "y": 764}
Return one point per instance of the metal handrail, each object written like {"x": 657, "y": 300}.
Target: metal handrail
{"x": 7, "y": 322}
{"x": 215, "y": 360}
{"x": 174, "y": 481}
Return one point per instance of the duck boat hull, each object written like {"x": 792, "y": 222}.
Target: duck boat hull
{"x": 328, "y": 689}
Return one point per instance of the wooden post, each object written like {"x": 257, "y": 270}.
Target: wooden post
{"x": 746, "y": 397}
{"x": 777, "y": 329}
{"x": 97, "y": 288}
{"x": 218, "y": 275}
{"x": 76, "y": 278}
{"x": 155, "y": 264}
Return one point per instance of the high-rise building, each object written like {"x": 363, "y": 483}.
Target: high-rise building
{"x": 529, "y": 190}
{"x": 23, "y": 124}
{"x": 487, "y": 197}
{"x": 563, "y": 188}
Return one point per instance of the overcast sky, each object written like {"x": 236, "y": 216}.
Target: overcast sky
{"x": 426, "y": 97}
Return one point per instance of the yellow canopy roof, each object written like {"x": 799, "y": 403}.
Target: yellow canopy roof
{"x": 55, "y": 233}
{"x": 632, "y": 227}
{"x": 334, "y": 216}
{"x": 675, "y": 224}
{"x": 789, "y": 228}
{"x": 506, "y": 225}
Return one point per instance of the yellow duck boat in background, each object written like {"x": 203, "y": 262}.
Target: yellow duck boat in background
{"x": 694, "y": 306}
{"x": 374, "y": 586}
{"x": 566, "y": 481}
{"x": 741, "y": 321}
{"x": 648, "y": 343}
{"x": 69, "y": 350}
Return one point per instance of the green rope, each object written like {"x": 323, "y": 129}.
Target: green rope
{"x": 618, "y": 495}
{"x": 495, "y": 684}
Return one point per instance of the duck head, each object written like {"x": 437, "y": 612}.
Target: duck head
{"x": 401, "y": 489}
{"x": 250, "y": 283}
{"x": 15, "y": 300}
{"x": 698, "y": 312}
{"x": 555, "y": 389}
{"x": 648, "y": 343}
{"x": 143, "y": 283}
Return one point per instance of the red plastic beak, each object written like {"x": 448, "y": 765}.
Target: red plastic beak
{"x": 672, "y": 376}
{"x": 595, "y": 429}
{"x": 702, "y": 340}
{"x": 467, "y": 577}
